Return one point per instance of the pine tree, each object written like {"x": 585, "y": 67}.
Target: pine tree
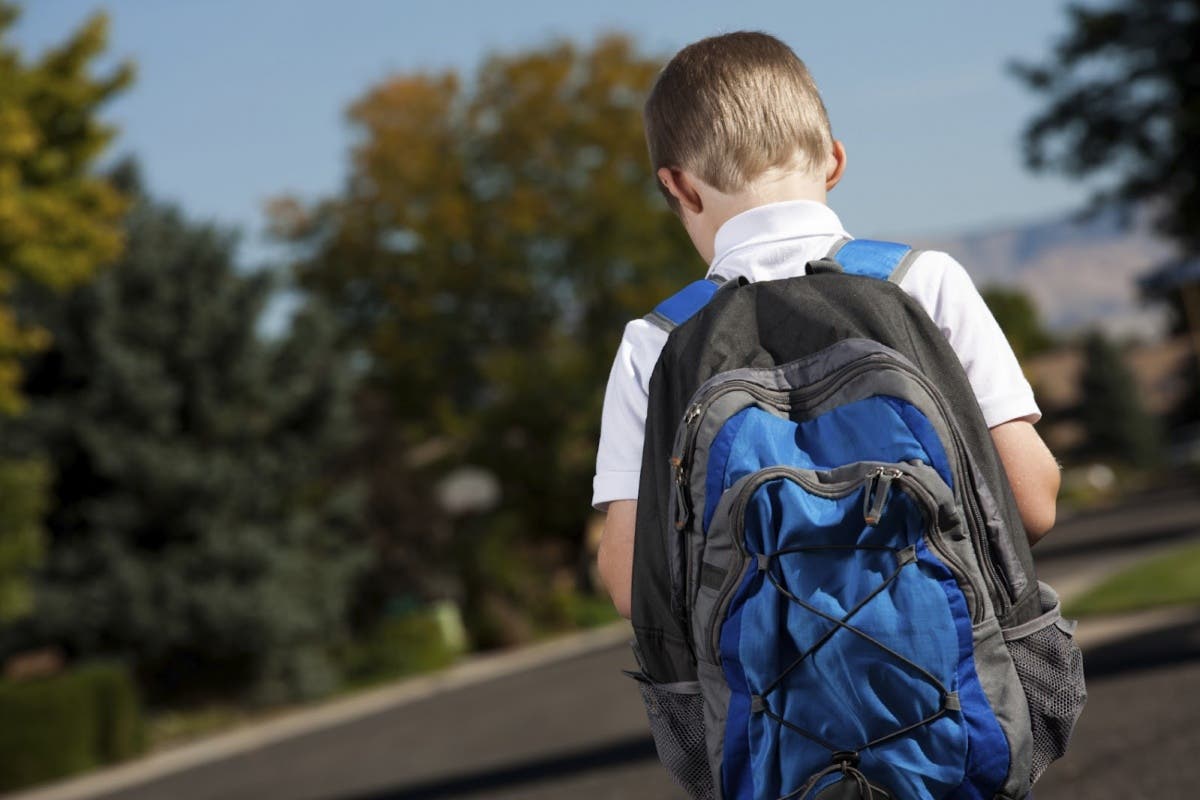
{"x": 196, "y": 529}
{"x": 1115, "y": 422}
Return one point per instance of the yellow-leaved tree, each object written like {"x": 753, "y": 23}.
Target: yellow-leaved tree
{"x": 59, "y": 222}
{"x": 494, "y": 235}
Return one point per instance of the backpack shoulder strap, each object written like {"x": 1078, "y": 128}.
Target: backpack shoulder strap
{"x": 871, "y": 258}
{"x": 866, "y": 257}
{"x": 681, "y": 306}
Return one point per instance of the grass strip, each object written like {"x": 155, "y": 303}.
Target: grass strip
{"x": 1166, "y": 580}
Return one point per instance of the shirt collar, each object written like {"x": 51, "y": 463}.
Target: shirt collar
{"x": 774, "y": 222}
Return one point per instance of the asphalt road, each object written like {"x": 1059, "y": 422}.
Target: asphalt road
{"x": 576, "y": 729}
{"x": 1139, "y": 736}
{"x": 573, "y": 729}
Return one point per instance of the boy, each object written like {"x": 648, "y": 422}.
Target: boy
{"x": 742, "y": 149}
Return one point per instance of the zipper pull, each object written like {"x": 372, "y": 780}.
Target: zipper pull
{"x": 683, "y": 499}
{"x": 875, "y": 497}
{"x": 683, "y": 504}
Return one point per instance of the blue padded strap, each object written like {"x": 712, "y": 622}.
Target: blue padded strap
{"x": 866, "y": 257}
{"x": 681, "y": 306}
{"x": 874, "y": 259}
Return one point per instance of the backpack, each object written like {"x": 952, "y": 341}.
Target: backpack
{"x": 833, "y": 594}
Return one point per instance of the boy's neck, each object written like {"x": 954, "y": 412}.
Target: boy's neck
{"x": 776, "y": 186}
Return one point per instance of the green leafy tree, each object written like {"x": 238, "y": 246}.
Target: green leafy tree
{"x": 197, "y": 527}
{"x": 1018, "y": 318}
{"x": 493, "y": 237}
{"x": 58, "y": 223}
{"x": 1115, "y": 422}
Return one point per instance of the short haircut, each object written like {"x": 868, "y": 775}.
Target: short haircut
{"x": 731, "y": 107}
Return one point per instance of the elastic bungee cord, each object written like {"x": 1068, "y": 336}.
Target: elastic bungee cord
{"x": 845, "y": 759}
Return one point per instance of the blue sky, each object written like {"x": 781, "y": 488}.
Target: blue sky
{"x": 240, "y": 100}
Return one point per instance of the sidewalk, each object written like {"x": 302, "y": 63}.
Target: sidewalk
{"x": 1096, "y": 632}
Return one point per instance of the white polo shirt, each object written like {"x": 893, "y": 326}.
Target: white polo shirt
{"x": 777, "y": 241}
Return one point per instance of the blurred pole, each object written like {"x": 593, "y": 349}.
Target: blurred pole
{"x": 1191, "y": 314}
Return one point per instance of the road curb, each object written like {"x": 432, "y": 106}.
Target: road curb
{"x": 254, "y": 736}
{"x": 1095, "y": 632}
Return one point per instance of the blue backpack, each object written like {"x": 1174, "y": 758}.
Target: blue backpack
{"x": 833, "y": 594}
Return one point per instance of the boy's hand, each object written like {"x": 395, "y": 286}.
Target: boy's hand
{"x": 615, "y": 555}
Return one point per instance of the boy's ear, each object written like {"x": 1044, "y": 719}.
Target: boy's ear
{"x": 837, "y": 165}
{"x": 681, "y": 188}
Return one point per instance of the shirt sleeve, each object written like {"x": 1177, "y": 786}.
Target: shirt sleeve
{"x": 949, "y": 296}
{"x": 623, "y": 420}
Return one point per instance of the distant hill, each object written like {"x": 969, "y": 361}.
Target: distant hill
{"x": 1079, "y": 274}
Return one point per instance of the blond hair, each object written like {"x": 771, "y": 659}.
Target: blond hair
{"x": 731, "y": 107}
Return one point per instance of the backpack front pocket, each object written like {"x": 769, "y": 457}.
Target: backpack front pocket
{"x": 837, "y": 630}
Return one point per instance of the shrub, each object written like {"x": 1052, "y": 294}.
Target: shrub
{"x": 120, "y": 732}
{"x": 57, "y": 726}
{"x": 398, "y": 645}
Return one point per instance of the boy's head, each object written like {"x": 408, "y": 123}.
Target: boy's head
{"x": 732, "y": 111}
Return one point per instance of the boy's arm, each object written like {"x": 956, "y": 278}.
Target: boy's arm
{"x": 615, "y": 556}
{"x": 619, "y": 456}
{"x": 1033, "y": 474}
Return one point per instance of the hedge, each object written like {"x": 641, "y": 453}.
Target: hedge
{"x": 54, "y": 727}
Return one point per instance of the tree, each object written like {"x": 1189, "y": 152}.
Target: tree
{"x": 1018, "y": 318}
{"x": 492, "y": 239}
{"x": 197, "y": 527}
{"x": 1177, "y": 285}
{"x": 1123, "y": 101}
{"x": 58, "y": 224}
{"x": 1114, "y": 421}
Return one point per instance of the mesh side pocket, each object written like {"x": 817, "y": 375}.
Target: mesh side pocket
{"x": 1050, "y": 666}
{"x": 676, "y": 714}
